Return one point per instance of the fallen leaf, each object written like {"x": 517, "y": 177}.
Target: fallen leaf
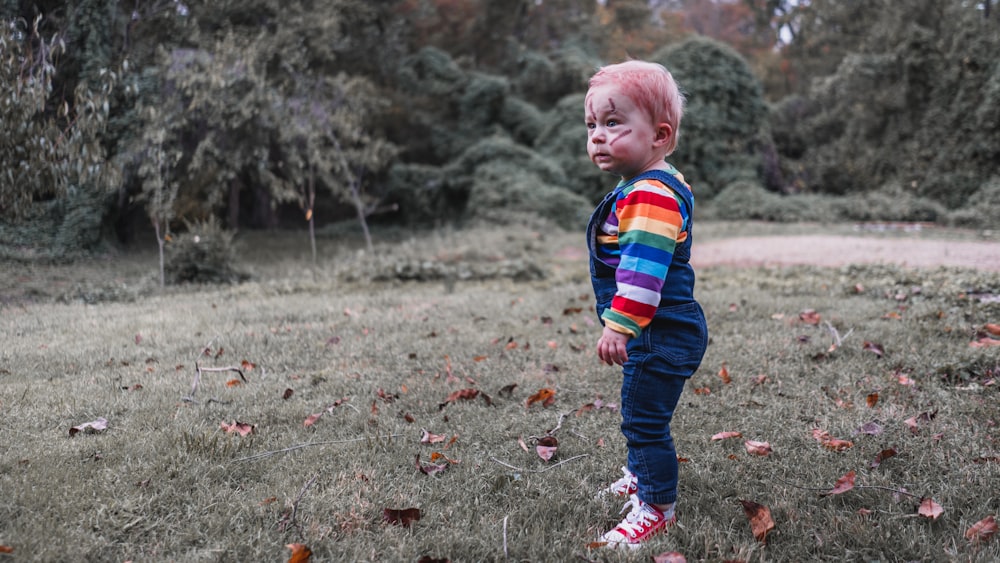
{"x": 725, "y": 435}
{"x": 992, "y": 328}
{"x": 874, "y": 348}
{"x": 982, "y": 530}
{"x": 545, "y": 396}
{"x": 287, "y": 394}
{"x": 430, "y": 468}
{"x": 98, "y": 425}
{"x": 984, "y": 342}
{"x": 871, "y": 400}
{"x": 546, "y": 447}
{"x": 809, "y": 317}
{"x": 234, "y": 383}
{"x": 400, "y": 516}
{"x": 930, "y": 509}
{"x": 669, "y": 557}
{"x": 724, "y": 374}
{"x": 842, "y": 485}
{"x": 312, "y": 419}
{"x": 873, "y": 428}
{"x": 428, "y": 438}
{"x": 6, "y": 549}
{"x": 758, "y": 448}
{"x": 300, "y": 553}
{"x": 462, "y": 394}
{"x": 520, "y": 442}
{"x": 882, "y": 456}
{"x": 241, "y": 428}
{"x": 247, "y": 365}
{"x": 759, "y": 515}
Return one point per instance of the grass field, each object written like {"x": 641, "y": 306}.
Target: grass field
{"x": 422, "y": 364}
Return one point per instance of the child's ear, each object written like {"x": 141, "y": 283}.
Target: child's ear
{"x": 664, "y": 132}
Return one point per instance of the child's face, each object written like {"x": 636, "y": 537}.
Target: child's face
{"x": 621, "y": 137}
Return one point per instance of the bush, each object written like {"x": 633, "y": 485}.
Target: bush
{"x": 982, "y": 210}
{"x": 891, "y": 202}
{"x": 503, "y": 191}
{"x": 203, "y": 254}
{"x": 720, "y": 134}
{"x": 745, "y": 200}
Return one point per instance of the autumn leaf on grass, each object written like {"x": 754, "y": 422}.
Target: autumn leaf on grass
{"x": 829, "y": 442}
{"x": 871, "y": 400}
{"x": 842, "y": 485}
{"x": 984, "y": 342}
{"x": 91, "y": 427}
{"x": 597, "y": 405}
{"x": 428, "y": 438}
{"x": 724, "y": 374}
{"x": 669, "y": 557}
{"x": 882, "y": 456}
{"x": 400, "y": 516}
{"x": 982, "y": 530}
{"x": 874, "y": 348}
{"x": 992, "y": 328}
{"x": 759, "y": 515}
{"x": 546, "y": 447}
{"x": 921, "y": 418}
{"x": 312, "y": 419}
{"x": 241, "y": 428}
{"x": 234, "y": 383}
{"x": 438, "y": 456}
{"x": 758, "y": 448}
{"x": 6, "y": 549}
{"x": 929, "y": 509}
{"x": 809, "y": 317}
{"x": 725, "y": 435}
{"x": 300, "y": 553}
{"x": 545, "y": 396}
{"x": 462, "y": 394}
{"x": 430, "y": 468}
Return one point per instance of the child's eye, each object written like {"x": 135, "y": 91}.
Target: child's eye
{"x": 612, "y": 123}
{"x": 591, "y": 125}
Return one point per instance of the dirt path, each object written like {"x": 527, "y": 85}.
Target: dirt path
{"x": 822, "y": 250}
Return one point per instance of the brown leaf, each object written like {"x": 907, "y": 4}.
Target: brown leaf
{"x": 984, "y": 342}
{"x": 287, "y": 394}
{"x": 546, "y": 396}
{"x": 725, "y": 435}
{"x": 430, "y": 468}
{"x": 871, "y": 400}
{"x": 930, "y": 509}
{"x": 241, "y": 428}
{"x": 842, "y": 485}
{"x": 300, "y": 553}
{"x": 758, "y": 448}
{"x": 234, "y": 383}
{"x": 312, "y": 419}
{"x": 508, "y": 389}
{"x": 882, "y": 456}
{"x": 98, "y": 425}
{"x": 428, "y": 438}
{"x": 760, "y": 519}
{"x": 992, "y": 328}
{"x": 462, "y": 394}
{"x": 400, "y": 516}
{"x": 669, "y": 557}
{"x": 546, "y": 447}
{"x": 6, "y": 549}
{"x": 982, "y": 530}
{"x": 809, "y": 317}
{"x": 247, "y": 365}
{"x": 874, "y": 348}
{"x": 520, "y": 442}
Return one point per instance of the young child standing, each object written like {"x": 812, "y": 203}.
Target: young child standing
{"x": 640, "y": 243}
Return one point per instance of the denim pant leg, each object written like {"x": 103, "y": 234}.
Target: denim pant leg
{"x": 649, "y": 396}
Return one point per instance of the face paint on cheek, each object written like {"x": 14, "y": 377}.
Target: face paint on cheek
{"x": 625, "y": 133}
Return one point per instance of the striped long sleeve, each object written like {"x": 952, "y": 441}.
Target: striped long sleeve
{"x": 639, "y": 238}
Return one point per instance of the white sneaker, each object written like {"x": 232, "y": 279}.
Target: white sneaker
{"x": 626, "y": 486}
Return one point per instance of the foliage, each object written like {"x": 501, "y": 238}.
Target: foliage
{"x": 203, "y": 253}
{"x": 722, "y": 128}
{"x": 983, "y": 208}
{"x": 501, "y": 190}
{"x": 748, "y": 200}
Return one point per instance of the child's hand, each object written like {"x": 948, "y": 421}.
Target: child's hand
{"x": 611, "y": 347}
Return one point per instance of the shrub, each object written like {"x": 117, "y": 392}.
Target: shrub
{"x": 744, "y": 200}
{"x": 721, "y": 129}
{"x": 202, "y": 254}
{"x": 983, "y": 208}
{"x": 891, "y": 202}
{"x": 502, "y": 191}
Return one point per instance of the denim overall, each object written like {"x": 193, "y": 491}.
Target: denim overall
{"x": 660, "y": 359}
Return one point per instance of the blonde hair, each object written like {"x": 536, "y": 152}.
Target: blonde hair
{"x": 651, "y": 87}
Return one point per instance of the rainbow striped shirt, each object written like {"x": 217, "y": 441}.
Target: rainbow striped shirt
{"x": 638, "y": 239}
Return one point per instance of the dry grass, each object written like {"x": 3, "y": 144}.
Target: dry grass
{"x": 165, "y": 483}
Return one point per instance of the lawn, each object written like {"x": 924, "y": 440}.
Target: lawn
{"x": 389, "y": 408}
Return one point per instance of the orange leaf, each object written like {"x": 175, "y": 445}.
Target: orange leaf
{"x": 233, "y": 383}
{"x": 546, "y": 396}
{"x": 842, "y": 485}
{"x": 400, "y": 516}
{"x": 871, "y": 400}
{"x": 758, "y": 448}
{"x": 984, "y": 342}
{"x": 809, "y": 317}
{"x": 300, "y": 553}
{"x": 312, "y": 419}
{"x": 930, "y": 509}
{"x": 430, "y": 468}
{"x": 724, "y": 374}
{"x": 6, "y": 549}
{"x": 466, "y": 394}
{"x": 982, "y": 530}
{"x": 479, "y": 358}
{"x": 724, "y": 435}
{"x": 247, "y": 365}
{"x": 992, "y": 328}
{"x": 760, "y": 519}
